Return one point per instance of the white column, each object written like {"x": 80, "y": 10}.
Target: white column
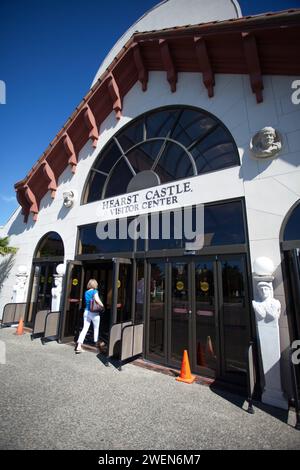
{"x": 267, "y": 313}
{"x": 19, "y": 289}
{"x": 57, "y": 290}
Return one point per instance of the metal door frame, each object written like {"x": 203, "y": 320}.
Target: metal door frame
{"x": 186, "y": 261}
{"x": 167, "y": 262}
{"x": 222, "y": 375}
{"x": 115, "y": 276}
{"x": 148, "y": 262}
{"x": 67, "y": 289}
{"x": 200, "y": 369}
{"x": 216, "y": 261}
{"x": 37, "y": 262}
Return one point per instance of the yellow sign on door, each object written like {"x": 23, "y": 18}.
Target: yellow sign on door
{"x": 179, "y": 285}
{"x": 204, "y": 286}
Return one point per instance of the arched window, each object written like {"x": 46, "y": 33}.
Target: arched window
{"x": 50, "y": 245}
{"x": 292, "y": 228}
{"x": 161, "y": 146}
{"x": 48, "y": 254}
{"x": 290, "y": 245}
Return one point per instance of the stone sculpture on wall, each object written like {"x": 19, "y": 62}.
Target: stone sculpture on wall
{"x": 267, "y": 313}
{"x": 56, "y": 291}
{"x": 19, "y": 288}
{"x": 266, "y": 143}
{"x": 69, "y": 198}
{"x": 267, "y": 309}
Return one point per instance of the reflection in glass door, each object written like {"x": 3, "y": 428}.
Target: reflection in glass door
{"x": 46, "y": 284}
{"x": 124, "y": 292}
{"x": 201, "y": 305}
{"x": 40, "y": 296}
{"x": 234, "y": 318}
{"x": 101, "y": 271}
{"x": 73, "y": 301}
{"x": 33, "y": 294}
{"x": 157, "y": 312}
{"x": 180, "y": 310}
{"x": 206, "y": 347}
{"x": 140, "y": 292}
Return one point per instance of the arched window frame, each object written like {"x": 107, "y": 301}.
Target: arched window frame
{"x": 167, "y": 139}
{"x": 289, "y": 244}
{"x": 37, "y": 257}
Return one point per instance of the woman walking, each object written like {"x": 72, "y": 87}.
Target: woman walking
{"x": 90, "y": 294}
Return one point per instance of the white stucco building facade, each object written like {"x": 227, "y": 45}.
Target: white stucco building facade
{"x": 268, "y": 187}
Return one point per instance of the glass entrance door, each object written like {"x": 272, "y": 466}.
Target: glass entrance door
{"x": 180, "y": 311}
{"x": 122, "y": 290}
{"x": 40, "y": 296}
{"x": 201, "y": 305}
{"x": 234, "y": 318}
{"x": 102, "y": 272}
{"x": 292, "y": 265}
{"x": 115, "y": 284}
{"x": 73, "y": 305}
{"x": 205, "y": 321}
{"x": 156, "y": 347}
{"x": 169, "y": 311}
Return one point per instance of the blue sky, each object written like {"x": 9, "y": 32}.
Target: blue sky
{"x": 50, "y": 51}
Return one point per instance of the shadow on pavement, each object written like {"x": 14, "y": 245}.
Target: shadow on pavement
{"x": 107, "y": 362}
{"x": 278, "y": 413}
{"x": 240, "y": 400}
{"x": 237, "y": 399}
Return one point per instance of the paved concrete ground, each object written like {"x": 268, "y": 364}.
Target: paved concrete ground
{"x": 54, "y": 399}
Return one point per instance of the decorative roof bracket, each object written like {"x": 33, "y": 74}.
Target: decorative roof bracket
{"x": 168, "y": 64}
{"x": 115, "y": 95}
{"x": 253, "y": 64}
{"x": 69, "y": 148}
{"x": 32, "y": 201}
{"x": 22, "y": 200}
{"x": 90, "y": 122}
{"x": 140, "y": 66}
{"x": 48, "y": 172}
{"x": 204, "y": 61}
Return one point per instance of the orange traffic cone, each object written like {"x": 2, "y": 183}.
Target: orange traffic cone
{"x": 185, "y": 373}
{"x": 20, "y": 328}
{"x": 201, "y": 356}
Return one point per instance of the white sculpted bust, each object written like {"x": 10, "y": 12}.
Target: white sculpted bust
{"x": 69, "y": 198}
{"x": 56, "y": 291}
{"x": 266, "y": 143}
{"x": 267, "y": 309}
{"x": 20, "y": 284}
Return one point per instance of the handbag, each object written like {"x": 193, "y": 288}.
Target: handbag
{"x": 95, "y": 307}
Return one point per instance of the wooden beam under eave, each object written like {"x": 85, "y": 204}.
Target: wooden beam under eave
{"x": 115, "y": 96}
{"x": 48, "y": 172}
{"x": 70, "y": 151}
{"x": 168, "y": 64}
{"x": 30, "y": 196}
{"x": 253, "y": 65}
{"x": 208, "y": 76}
{"x": 143, "y": 75}
{"x": 90, "y": 122}
{"x": 22, "y": 200}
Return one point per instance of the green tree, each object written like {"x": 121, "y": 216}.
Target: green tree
{"x": 5, "y": 249}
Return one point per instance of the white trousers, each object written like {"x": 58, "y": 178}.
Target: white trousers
{"x": 87, "y": 318}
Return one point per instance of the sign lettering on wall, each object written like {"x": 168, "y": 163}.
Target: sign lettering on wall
{"x": 164, "y": 197}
